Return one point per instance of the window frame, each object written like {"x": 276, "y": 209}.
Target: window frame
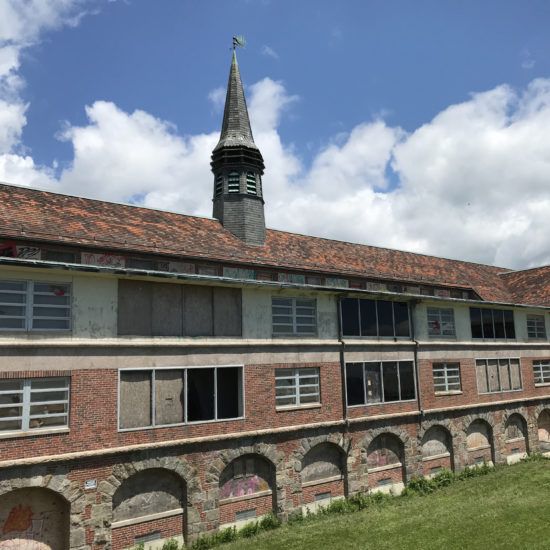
{"x": 530, "y": 318}
{"x": 445, "y": 366}
{"x": 540, "y": 364}
{"x": 497, "y": 359}
{"x": 29, "y": 305}
{"x": 186, "y": 422}
{"x": 297, "y": 374}
{"x": 293, "y": 315}
{"x": 430, "y": 311}
{"x": 26, "y": 391}
{"x": 377, "y": 336}
{"x": 381, "y": 386}
{"x": 494, "y": 337}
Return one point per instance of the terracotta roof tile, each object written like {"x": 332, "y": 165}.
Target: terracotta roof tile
{"x": 39, "y": 215}
{"x": 530, "y": 286}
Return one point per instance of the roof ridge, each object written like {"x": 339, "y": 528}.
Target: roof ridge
{"x": 526, "y": 269}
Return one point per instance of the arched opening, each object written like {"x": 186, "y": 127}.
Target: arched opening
{"x": 247, "y": 489}
{"x": 437, "y": 451}
{"x": 515, "y": 434}
{"x": 149, "y": 507}
{"x": 34, "y": 519}
{"x": 323, "y": 475}
{"x": 386, "y": 464}
{"x": 543, "y": 425}
{"x": 479, "y": 442}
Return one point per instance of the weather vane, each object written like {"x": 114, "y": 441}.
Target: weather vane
{"x": 239, "y": 41}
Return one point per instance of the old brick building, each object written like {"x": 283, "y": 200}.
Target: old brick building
{"x": 163, "y": 375}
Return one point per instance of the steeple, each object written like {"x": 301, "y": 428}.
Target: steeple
{"x": 238, "y": 167}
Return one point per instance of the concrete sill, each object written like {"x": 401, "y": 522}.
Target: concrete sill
{"x": 435, "y": 457}
{"x": 34, "y": 433}
{"x": 298, "y": 407}
{"x": 542, "y": 385}
{"x": 145, "y": 519}
{"x": 476, "y": 449}
{"x": 321, "y": 481}
{"x": 245, "y": 497}
{"x": 384, "y": 468}
{"x": 443, "y": 393}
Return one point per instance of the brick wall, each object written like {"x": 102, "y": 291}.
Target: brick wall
{"x": 124, "y": 537}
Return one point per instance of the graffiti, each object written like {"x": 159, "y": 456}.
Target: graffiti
{"x": 104, "y": 260}
{"x": 19, "y": 519}
{"x": 244, "y": 486}
{"x": 28, "y": 252}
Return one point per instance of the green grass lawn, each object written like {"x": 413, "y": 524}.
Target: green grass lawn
{"x": 508, "y": 508}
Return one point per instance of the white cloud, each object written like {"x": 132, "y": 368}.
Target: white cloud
{"x": 217, "y": 98}
{"x": 269, "y": 52}
{"x": 472, "y": 183}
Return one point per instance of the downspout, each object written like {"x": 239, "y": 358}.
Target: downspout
{"x": 416, "y": 367}
{"x": 342, "y": 364}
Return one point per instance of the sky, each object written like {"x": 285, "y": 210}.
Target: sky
{"x": 421, "y": 126}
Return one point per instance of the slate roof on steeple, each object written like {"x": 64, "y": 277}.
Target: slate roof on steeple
{"x": 236, "y": 129}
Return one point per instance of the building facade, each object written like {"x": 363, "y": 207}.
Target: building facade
{"x": 164, "y": 375}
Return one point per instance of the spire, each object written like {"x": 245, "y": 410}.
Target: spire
{"x": 236, "y": 124}
{"x": 238, "y": 166}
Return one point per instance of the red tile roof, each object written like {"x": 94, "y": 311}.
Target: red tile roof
{"x": 530, "y": 286}
{"x": 38, "y": 215}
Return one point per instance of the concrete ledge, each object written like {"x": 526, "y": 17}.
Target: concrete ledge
{"x": 145, "y": 519}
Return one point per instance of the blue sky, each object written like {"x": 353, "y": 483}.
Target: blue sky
{"x": 418, "y": 125}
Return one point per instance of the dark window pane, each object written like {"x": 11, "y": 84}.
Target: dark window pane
{"x": 487, "y": 318}
{"x": 509, "y": 324}
{"x": 391, "y": 384}
{"x": 401, "y": 316}
{"x": 406, "y": 379}
{"x": 475, "y": 321}
{"x": 350, "y": 317}
{"x": 385, "y": 318}
{"x": 498, "y": 317}
{"x": 200, "y": 394}
{"x": 354, "y": 384}
{"x": 372, "y": 378}
{"x": 229, "y": 392}
{"x": 368, "y": 317}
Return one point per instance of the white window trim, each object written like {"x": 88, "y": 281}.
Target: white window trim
{"x": 293, "y": 315}
{"x": 296, "y": 376}
{"x": 186, "y": 422}
{"x": 26, "y": 403}
{"x": 439, "y": 310}
{"x": 539, "y": 317}
{"x": 539, "y": 365}
{"x": 445, "y": 367}
{"x": 29, "y": 307}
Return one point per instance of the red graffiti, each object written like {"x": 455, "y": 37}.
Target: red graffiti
{"x": 19, "y": 519}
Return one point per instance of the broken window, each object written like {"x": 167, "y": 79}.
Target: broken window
{"x": 376, "y": 382}
{"x": 498, "y": 375}
{"x": 446, "y": 377}
{"x": 536, "y": 327}
{"x": 541, "y": 371}
{"x": 492, "y": 323}
{"x": 28, "y": 305}
{"x": 362, "y": 317}
{"x": 34, "y": 404}
{"x": 294, "y": 316}
{"x": 441, "y": 322}
{"x": 165, "y": 397}
{"x": 295, "y": 387}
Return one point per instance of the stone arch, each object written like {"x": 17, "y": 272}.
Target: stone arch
{"x": 385, "y": 458}
{"x": 35, "y": 518}
{"x": 479, "y": 440}
{"x": 401, "y": 434}
{"x": 515, "y": 426}
{"x": 543, "y": 428}
{"x": 177, "y": 469}
{"x": 437, "y": 449}
{"x": 324, "y": 460}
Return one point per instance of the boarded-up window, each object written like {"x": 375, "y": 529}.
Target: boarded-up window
{"x": 169, "y": 396}
{"x": 436, "y": 441}
{"x": 246, "y": 475}
{"x": 515, "y": 427}
{"x": 478, "y": 435}
{"x": 135, "y": 399}
{"x": 163, "y": 309}
{"x": 324, "y": 461}
{"x": 496, "y": 375}
{"x": 384, "y": 450}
